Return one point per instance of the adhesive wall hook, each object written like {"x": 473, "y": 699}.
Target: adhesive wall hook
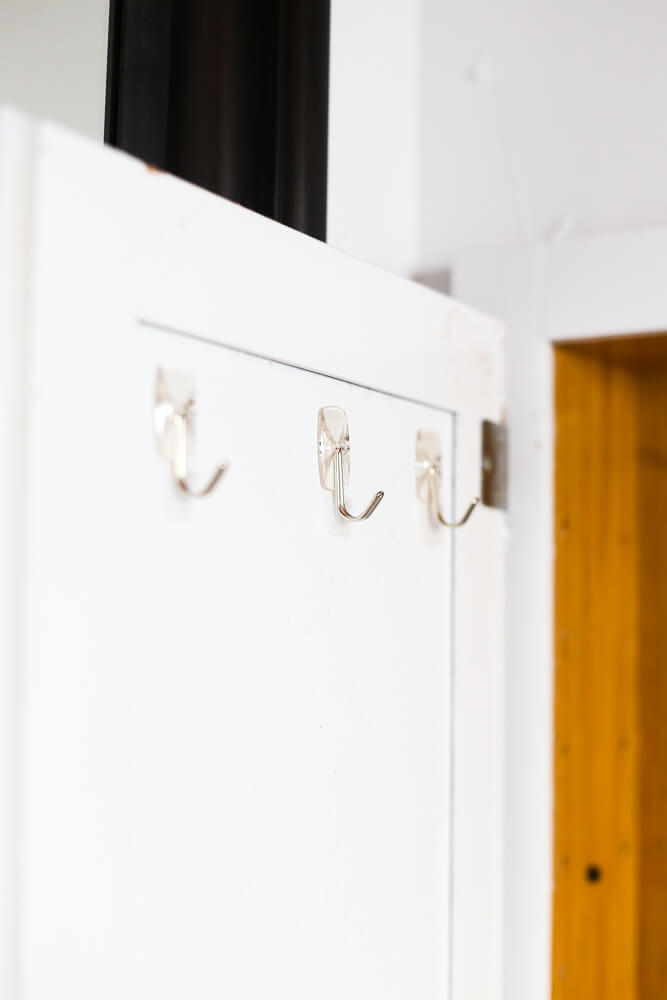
{"x": 333, "y": 452}
{"x": 174, "y": 423}
{"x": 428, "y": 478}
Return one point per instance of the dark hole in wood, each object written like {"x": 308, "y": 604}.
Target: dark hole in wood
{"x": 593, "y": 873}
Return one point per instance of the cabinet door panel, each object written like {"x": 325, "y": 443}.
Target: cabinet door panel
{"x": 253, "y": 750}
{"x": 284, "y": 716}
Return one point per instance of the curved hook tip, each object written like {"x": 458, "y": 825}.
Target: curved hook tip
{"x": 459, "y": 524}
{"x": 373, "y": 505}
{"x": 365, "y": 514}
{"x": 211, "y": 485}
{"x": 473, "y": 504}
{"x": 435, "y": 504}
{"x": 339, "y": 493}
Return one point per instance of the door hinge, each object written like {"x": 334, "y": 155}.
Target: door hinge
{"x": 494, "y": 465}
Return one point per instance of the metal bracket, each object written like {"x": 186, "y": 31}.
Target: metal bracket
{"x": 494, "y": 465}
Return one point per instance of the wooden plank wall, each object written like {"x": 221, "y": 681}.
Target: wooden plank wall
{"x": 652, "y": 501}
{"x": 610, "y": 748}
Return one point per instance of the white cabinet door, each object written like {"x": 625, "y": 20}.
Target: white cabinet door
{"x": 254, "y": 750}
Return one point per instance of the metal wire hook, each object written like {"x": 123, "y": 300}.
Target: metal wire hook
{"x": 433, "y": 478}
{"x": 339, "y": 493}
{"x": 428, "y": 478}
{"x": 334, "y": 460}
{"x": 174, "y": 413}
{"x": 180, "y": 458}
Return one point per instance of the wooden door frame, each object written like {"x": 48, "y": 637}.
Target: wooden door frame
{"x": 546, "y": 294}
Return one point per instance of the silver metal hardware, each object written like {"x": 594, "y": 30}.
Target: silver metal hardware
{"x": 333, "y": 453}
{"x": 174, "y": 419}
{"x": 494, "y": 465}
{"x": 428, "y": 457}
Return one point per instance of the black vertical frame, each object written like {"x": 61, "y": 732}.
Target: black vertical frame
{"x": 229, "y": 94}
{"x": 302, "y": 115}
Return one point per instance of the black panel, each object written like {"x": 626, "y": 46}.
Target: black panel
{"x": 229, "y": 94}
{"x": 303, "y": 110}
{"x": 138, "y": 73}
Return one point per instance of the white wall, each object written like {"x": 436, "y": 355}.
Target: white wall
{"x": 509, "y": 282}
{"x": 473, "y": 123}
{"x": 53, "y": 56}
{"x": 373, "y": 206}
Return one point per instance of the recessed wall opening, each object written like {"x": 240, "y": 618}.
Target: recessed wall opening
{"x": 610, "y": 696}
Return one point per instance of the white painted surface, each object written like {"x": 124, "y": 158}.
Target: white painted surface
{"x": 511, "y": 284}
{"x": 16, "y": 192}
{"x": 334, "y": 308}
{"x": 373, "y": 197}
{"x": 266, "y": 773}
{"x": 606, "y": 285}
{"x": 148, "y": 689}
{"x": 563, "y": 126}
{"x": 53, "y": 60}
{"x": 533, "y": 118}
